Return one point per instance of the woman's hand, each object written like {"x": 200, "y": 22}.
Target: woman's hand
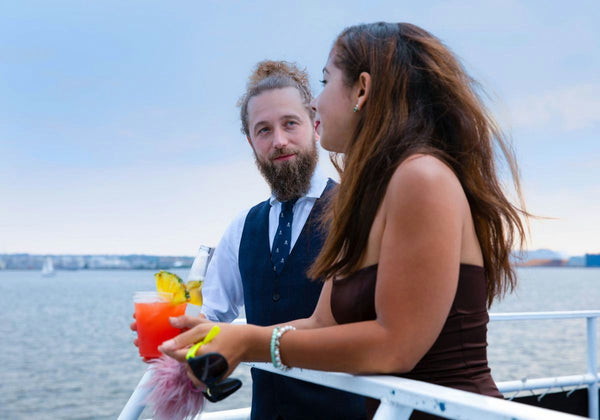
{"x": 231, "y": 342}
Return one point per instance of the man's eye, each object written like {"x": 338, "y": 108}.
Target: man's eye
{"x": 263, "y": 130}
{"x": 292, "y": 123}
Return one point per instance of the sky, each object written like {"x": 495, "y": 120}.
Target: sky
{"x": 119, "y": 131}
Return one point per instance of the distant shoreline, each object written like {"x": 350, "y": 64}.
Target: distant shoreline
{"x": 551, "y": 262}
{"x": 95, "y": 262}
{"x": 156, "y": 262}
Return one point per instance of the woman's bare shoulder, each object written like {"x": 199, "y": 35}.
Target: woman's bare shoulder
{"x": 424, "y": 175}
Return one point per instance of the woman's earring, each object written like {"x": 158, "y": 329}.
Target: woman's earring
{"x": 355, "y": 109}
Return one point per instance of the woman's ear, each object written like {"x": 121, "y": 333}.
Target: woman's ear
{"x": 362, "y": 89}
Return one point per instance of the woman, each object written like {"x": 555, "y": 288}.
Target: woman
{"x": 421, "y": 231}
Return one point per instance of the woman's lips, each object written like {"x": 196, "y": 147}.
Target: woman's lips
{"x": 317, "y": 124}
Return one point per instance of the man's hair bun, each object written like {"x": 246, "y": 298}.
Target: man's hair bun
{"x": 268, "y": 68}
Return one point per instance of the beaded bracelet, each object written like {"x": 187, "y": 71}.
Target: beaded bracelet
{"x": 275, "y": 357}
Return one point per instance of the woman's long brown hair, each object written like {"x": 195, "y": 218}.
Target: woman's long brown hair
{"x": 421, "y": 101}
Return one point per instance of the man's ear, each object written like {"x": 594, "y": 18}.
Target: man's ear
{"x": 362, "y": 88}
{"x": 249, "y": 141}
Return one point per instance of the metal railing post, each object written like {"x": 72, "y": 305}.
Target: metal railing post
{"x": 592, "y": 367}
{"x": 389, "y": 410}
{"x": 137, "y": 402}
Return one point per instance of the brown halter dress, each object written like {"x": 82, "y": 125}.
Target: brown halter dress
{"x": 458, "y": 358}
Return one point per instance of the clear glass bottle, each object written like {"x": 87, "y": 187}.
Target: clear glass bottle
{"x": 197, "y": 274}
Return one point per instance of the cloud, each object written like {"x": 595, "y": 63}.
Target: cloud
{"x": 567, "y": 218}
{"x": 571, "y": 108}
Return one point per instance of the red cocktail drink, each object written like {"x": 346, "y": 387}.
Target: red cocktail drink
{"x": 152, "y": 312}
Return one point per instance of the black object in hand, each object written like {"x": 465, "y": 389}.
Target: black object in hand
{"x": 210, "y": 369}
{"x": 222, "y": 390}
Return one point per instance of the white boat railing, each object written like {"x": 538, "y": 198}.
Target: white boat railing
{"x": 590, "y": 378}
{"x": 400, "y": 396}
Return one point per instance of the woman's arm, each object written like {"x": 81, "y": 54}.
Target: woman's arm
{"x": 322, "y": 316}
{"x": 199, "y": 327}
{"x": 417, "y": 277}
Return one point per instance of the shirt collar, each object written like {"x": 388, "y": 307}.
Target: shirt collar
{"x": 318, "y": 182}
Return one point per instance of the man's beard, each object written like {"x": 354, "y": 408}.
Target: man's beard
{"x": 289, "y": 180}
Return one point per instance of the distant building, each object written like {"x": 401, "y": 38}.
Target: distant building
{"x": 592, "y": 260}
{"x": 70, "y": 262}
{"x": 578, "y": 261}
{"x": 544, "y": 263}
{"x": 108, "y": 262}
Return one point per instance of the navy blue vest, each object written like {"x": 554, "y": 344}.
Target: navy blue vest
{"x": 271, "y": 299}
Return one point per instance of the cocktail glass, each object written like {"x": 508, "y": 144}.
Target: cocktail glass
{"x": 152, "y": 313}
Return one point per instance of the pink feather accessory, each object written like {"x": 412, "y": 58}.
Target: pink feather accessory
{"x": 173, "y": 396}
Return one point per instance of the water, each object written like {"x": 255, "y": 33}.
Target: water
{"x": 537, "y": 349}
{"x": 66, "y": 350}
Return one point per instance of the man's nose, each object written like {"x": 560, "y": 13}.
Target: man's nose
{"x": 279, "y": 139}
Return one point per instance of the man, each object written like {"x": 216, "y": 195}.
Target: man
{"x": 262, "y": 259}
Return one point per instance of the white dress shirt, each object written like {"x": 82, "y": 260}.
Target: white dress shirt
{"x": 222, "y": 291}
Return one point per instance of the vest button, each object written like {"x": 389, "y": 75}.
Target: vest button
{"x": 276, "y": 297}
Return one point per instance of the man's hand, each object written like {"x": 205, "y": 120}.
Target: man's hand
{"x": 185, "y": 322}
{"x": 133, "y": 327}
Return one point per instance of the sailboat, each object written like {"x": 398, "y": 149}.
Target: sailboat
{"x": 48, "y": 267}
